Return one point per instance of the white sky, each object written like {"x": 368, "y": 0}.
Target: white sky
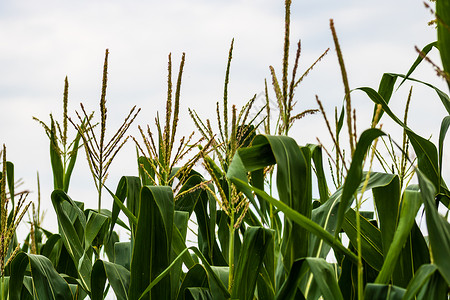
{"x": 43, "y": 41}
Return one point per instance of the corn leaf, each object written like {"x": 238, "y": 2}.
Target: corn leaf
{"x": 371, "y": 245}
{"x": 376, "y": 291}
{"x": 443, "y": 33}
{"x": 117, "y": 276}
{"x": 254, "y": 247}
{"x": 421, "y": 277}
{"x": 438, "y": 228}
{"x": 152, "y": 245}
{"x": 410, "y": 206}
{"x": 354, "y": 176}
{"x": 47, "y": 283}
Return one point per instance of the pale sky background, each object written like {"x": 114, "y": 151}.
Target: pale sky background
{"x": 43, "y": 41}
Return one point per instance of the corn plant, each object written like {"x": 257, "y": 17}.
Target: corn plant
{"x": 257, "y": 238}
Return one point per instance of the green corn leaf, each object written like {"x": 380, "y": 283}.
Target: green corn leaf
{"x": 289, "y": 288}
{"x": 445, "y": 124}
{"x": 325, "y": 277}
{"x": 71, "y": 165}
{"x": 421, "y": 277}
{"x": 435, "y": 288}
{"x": 254, "y": 247}
{"x": 385, "y": 89}
{"x": 70, "y": 236}
{"x": 387, "y": 201}
{"x": 197, "y": 294}
{"x": 418, "y": 60}
{"x": 216, "y": 275}
{"x": 371, "y": 245}
{"x": 117, "y": 276}
{"x": 354, "y": 176}
{"x": 300, "y": 219}
{"x": 426, "y": 151}
{"x": 326, "y": 214}
{"x": 146, "y": 171}
{"x": 443, "y": 33}
{"x": 128, "y": 188}
{"x": 152, "y": 244}
{"x": 18, "y": 267}
{"x": 47, "y": 283}
{"x": 445, "y": 100}
{"x": 49, "y": 246}
{"x": 56, "y": 161}
{"x": 96, "y": 227}
{"x": 438, "y": 227}
{"x": 179, "y": 245}
{"x": 122, "y": 254}
{"x": 410, "y": 206}
{"x": 375, "y": 291}
{"x": 316, "y": 154}
{"x": 179, "y": 232}
{"x": 195, "y": 277}
{"x": 205, "y": 212}
{"x": 131, "y": 218}
{"x": 293, "y": 183}
{"x": 186, "y": 200}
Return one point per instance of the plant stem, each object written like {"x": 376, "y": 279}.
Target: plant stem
{"x": 231, "y": 253}
{"x": 358, "y": 245}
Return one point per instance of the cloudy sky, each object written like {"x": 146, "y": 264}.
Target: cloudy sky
{"x": 43, "y": 41}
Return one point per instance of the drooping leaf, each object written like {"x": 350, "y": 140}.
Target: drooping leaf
{"x": 117, "y": 276}
{"x": 70, "y": 236}
{"x": 425, "y": 50}
{"x": 425, "y": 150}
{"x": 301, "y": 220}
{"x": 293, "y": 183}
{"x": 128, "y": 188}
{"x": 47, "y": 283}
{"x": 195, "y": 277}
{"x": 96, "y": 228}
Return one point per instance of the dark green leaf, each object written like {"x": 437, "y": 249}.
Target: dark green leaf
{"x": 421, "y": 277}
{"x": 383, "y": 292}
{"x": 371, "y": 245}
{"x": 410, "y": 205}
{"x": 151, "y": 251}
{"x": 254, "y": 247}
{"x": 443, "y": 33}
{"x": 438, "y": 228}
{"x": 354, "y": 176}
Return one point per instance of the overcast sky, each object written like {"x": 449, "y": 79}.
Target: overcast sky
{"x": 43, "y": 41}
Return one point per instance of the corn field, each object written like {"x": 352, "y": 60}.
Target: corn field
{"x": 261, "y": 230}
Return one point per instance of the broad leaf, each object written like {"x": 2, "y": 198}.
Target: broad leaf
{"x": 151, "y": 251}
